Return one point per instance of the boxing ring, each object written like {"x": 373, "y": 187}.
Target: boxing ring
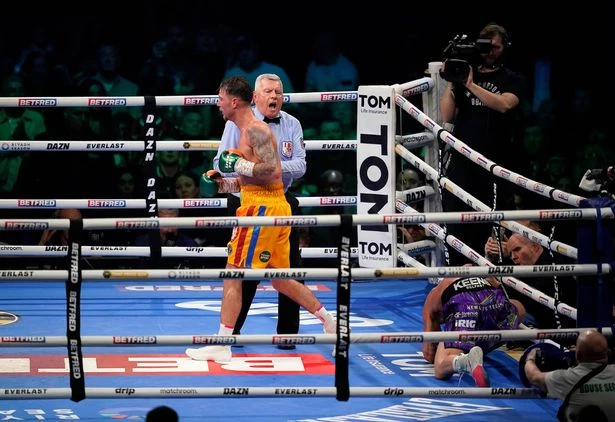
{"x": 109, "y": 344}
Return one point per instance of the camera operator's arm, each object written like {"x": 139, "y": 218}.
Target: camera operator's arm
{"x": 447, "y": 104}
{"x": 534, "y": 375}
{"x": 503, "y": 102}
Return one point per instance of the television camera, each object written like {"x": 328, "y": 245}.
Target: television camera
{"x": 460, "y": 54}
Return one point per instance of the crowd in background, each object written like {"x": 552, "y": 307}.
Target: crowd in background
{"x": 558, "y": 138}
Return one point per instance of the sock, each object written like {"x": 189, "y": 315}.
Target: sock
{"x": 457, "y": 363}
{"x": 225, "y": 330}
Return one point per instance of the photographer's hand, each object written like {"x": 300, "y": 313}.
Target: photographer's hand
{"x": 470, "y": 81}
{"x": 447, "y": 105}
{"x": 499, "y": 102}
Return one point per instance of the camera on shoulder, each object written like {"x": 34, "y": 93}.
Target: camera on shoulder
{"x": 460, "y": 54}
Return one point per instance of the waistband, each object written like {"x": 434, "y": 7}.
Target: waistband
{"x": 272, "y": 191}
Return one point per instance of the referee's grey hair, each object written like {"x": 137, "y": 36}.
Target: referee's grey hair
{"x": 271, "y": 77}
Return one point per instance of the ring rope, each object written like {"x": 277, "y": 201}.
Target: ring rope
{"x": 172, "y": 251}
{"x": 481, "y": 207}
{"x": 415, "y": 140}
{"x": 491, "y": 166}
{"x": 291, "y": 391}
{"x": 412, "y": 249}
{"x": 468, "y": 252}
{"x": 305, "y": 339}
{"x": 187, "y": 203}
{"x": 136, "y": 145}
{"x": 180, "y": 100}
{"x": 307, "y": 220}
{"x": 386, "y": 273}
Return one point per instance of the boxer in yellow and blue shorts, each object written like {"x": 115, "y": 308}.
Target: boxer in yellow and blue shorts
{"x": 258, "y": 246}
{"x": 257, "y": 164}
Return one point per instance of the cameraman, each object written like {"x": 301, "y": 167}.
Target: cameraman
{"x": 591, "y": 354}
{"x": 484, "y": 109}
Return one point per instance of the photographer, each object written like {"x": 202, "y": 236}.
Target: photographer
{"x": 484, "y": 109}
{"x": 569, "y": 384}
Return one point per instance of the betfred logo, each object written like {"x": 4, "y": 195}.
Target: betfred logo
{"x": 415, "y": 90}
{"x": 199, "y": 203}
{"x": 102, "y": 203}
{"x": 217, "y": 222}
{"x": 560, "y": 215}
{"x": 295, "y": 221}
{"x": 334, "y": 200}
{"x": 137, "y": 224}
{"x": 106, "y": 102}
{"x": 44, "y": 203}
{"x": 338, "y": 96}
{"x": 25, "y": 225}
{"x": 37, "y": 102}
{"x": 203, "y": 100}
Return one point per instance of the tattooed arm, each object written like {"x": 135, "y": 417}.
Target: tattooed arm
{"x": 265, "y": 151}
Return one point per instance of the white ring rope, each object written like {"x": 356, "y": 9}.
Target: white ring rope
{"x": 415, "y": 140}
{"x": 477, "y": 258}
{"x": 307, "y": 220}
{"x": 174, "y": 100}
{"x": 188, "y": 203}
{"x": 490, "y": 166}
{"x": 419, "y": 193}
{"x": 412, "y": 249}
{"x": 247, "y": 339}
{"x": 136, "y": 146}
{"x": 452, "y": 187}
{"x": 315, "y": 273}
{"x": 243, "y": 392}
{"x": 167, "y": 251}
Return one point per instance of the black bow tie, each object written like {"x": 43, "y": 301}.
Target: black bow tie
{"x": 275, "y": 120}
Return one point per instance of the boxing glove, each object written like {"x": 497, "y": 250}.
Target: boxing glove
{"x": 231, "y": 161}
{"x": 208, "y": 185}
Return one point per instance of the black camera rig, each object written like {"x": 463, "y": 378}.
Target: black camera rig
{"x": 460, "y": 54}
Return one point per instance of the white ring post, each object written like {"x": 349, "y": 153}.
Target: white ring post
{"x": 376, "y": 126}
{"x": 431, "y": 103}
